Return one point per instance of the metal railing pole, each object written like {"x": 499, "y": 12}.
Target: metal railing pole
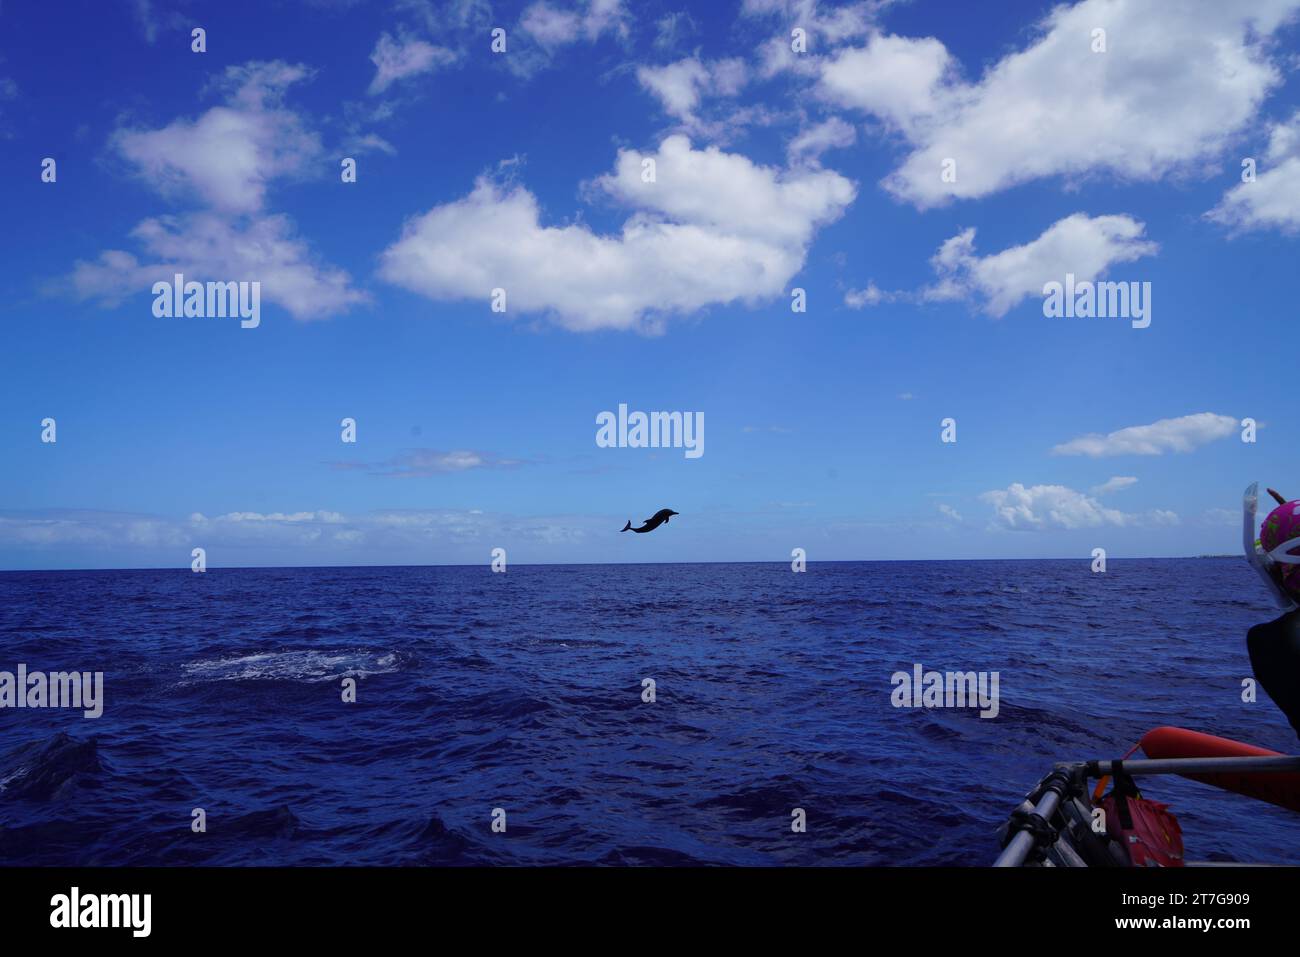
{"x": 1019, "y": 847}
{"x": 1248, "y": 765}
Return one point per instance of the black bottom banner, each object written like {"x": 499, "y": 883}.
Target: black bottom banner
{"x": 332, "y": 905}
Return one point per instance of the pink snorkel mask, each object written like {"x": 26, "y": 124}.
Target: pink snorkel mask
{"x": 1271, "y": 554}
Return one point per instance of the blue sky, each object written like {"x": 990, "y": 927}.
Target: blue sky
{"x": 775, "y": 170}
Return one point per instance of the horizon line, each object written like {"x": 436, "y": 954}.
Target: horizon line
{"x": 832, "y": 561}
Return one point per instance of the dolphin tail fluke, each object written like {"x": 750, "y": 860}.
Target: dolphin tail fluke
{"x": 626, "y": 527}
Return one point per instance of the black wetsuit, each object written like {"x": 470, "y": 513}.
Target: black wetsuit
{"x": 1275, "y": 657}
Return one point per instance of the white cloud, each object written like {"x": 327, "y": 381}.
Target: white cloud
{"x": 1221, "y": 518}
{"x": 872, "y": 295}
{"x": 824, "y": 25}
{"x": 152, "y": 22}
{"x": 145, "y": 19}
{"x": 1182, "y": 434}
{"x": 1273, "y": 200}
{"x": 897, "y": 79}
{"x": 396, "y": 59}
{"x": 1171, "y": 91}
{"x": 714, "y": 228}
{"x": 205, "y": 246}
{"x": 949, "y": 512}
{"x": 444, "y": 17}
{"x": 333, "y": 536}
{"x": 677, "y": 85}
{"x": 330, "y": 518}
{"x": 550, "y": 25}
{"x": 680, "y": 86}
{"x": 226, "y": 159}
{"x": 553, "y": 26}
{"x": 455, "y": 461}
{"x": 368, "y": 143}
{"x": 1084, "y": 245}
{"x": 604, "y": 16}
{"x": 1039, "y": 507}
{"x": 269, "y": 530}
{"x": 229, "y": 154}
{"x": 421, "y": 463}
{"x": 1044, "y": 506}
{"x": 83, "y": 527}
{"x": 811, "y": 143}
{"x": 1113, "y": 484}
{"x": 672, "y": 29}
{"x": 545, "y": 28}
{"x": 730, "y": 193}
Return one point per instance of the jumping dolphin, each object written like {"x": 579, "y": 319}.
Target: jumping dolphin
{"x": 654, "y": 521}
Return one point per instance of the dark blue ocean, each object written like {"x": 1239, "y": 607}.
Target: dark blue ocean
{"x": 522, "y": 691}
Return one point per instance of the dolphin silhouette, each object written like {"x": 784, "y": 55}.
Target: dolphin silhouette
{"x": 654, "y": 521}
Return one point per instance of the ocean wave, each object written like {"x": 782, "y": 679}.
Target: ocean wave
{"x": 292, "y": 666}
{"x": 48, "y": 769}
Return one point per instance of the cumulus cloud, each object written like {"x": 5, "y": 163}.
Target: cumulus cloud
{"x": 949, "y": 512}
{"x": 207, "y": 246}
{"x": 398, "y": 58}
{"x": 1170, "y": 92}
{"x": 896, "y": 79}
{"x": 1272, "y": 201}
{"x": 229, "y": 154}
{"x": 681, "y": 86}
{"x": 226, "y": 159}
{"x": 713, "y": 228}
{"x": 1182, "y": 434}
{"x": 1040, "y": 507}
{"x": 1043, "y": 506}
{"x": 1084, "y": 245}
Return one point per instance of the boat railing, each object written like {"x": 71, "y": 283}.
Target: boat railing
{"x": 1264, "y": 764}
{"x": 1031, "y": 827}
